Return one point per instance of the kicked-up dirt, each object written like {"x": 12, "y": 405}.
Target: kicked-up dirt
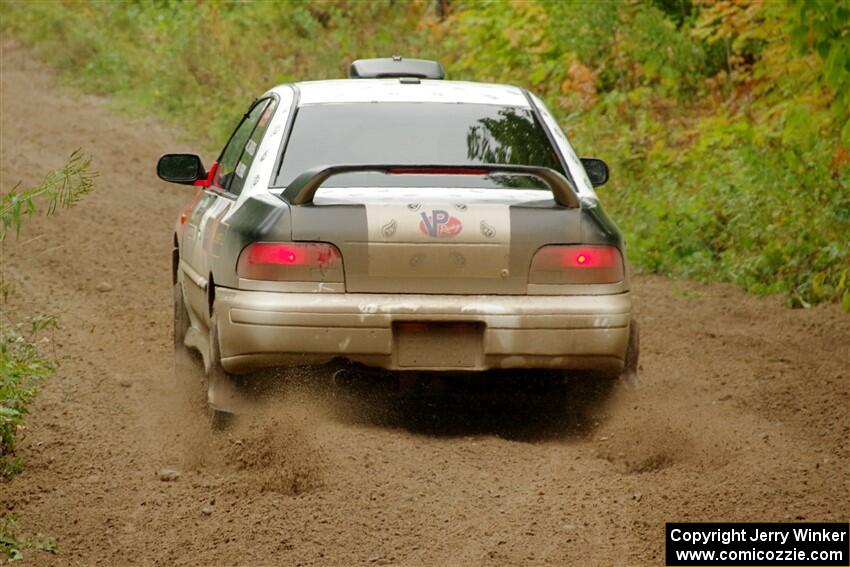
{"x": 741, "y": 413}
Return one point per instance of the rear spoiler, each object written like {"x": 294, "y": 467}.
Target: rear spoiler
{"x": 303, "y": 188}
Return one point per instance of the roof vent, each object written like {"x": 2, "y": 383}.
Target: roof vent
{"x": 395, "y": 67}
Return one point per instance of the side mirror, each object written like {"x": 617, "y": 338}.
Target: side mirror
{"x": 180, "y": 168}
{"x": 597, "y": 170}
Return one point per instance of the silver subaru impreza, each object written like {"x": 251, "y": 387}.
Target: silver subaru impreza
{"x": 401, "y": 221}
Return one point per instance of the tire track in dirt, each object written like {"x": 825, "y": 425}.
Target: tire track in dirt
{"x": 742, "y": 412}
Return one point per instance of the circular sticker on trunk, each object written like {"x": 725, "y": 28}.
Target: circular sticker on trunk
{"x": 439, "y": 224}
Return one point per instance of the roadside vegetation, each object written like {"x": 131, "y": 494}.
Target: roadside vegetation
{"x": 11, "y": 546}
{"x": 727, "y": 124}
{"x": 23, "y": 360}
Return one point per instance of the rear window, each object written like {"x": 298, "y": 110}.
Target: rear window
{"x": 412, "y": 134}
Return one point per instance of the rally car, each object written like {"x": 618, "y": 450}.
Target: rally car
{"x": 398, "y": 220}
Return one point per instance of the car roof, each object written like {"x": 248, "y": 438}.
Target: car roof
{"x": 405, "y": 90}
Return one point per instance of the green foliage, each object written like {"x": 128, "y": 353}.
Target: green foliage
{"x": 60, "y": 188}
{"x": 725, "y": 145}
{"x": 727, "y": 124}
{"x": 11, "y": 545}
{"x": 202, "y": 63}
{"x": 22, "y": 366}
{"x": 823, "y": 27}
{"x": 21, "y": 369}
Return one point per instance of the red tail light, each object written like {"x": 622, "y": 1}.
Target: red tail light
{"x": 291, "y": 261}
{"x": 556, "y": 264}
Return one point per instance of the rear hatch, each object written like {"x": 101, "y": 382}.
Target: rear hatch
{"x": 427, "y": 240}
{"x": 469, "y": 224}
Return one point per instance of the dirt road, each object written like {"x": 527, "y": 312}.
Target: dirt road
{"x": 741, "y": 414}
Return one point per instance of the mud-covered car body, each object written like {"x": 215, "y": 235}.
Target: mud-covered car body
{"x": 407, "y": 224}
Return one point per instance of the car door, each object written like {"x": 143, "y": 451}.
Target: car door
{"x": 205, "y": 230}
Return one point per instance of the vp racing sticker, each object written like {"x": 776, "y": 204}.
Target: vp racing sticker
{"x": 440, "y": 224}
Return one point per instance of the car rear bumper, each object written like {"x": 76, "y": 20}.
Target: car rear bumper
{"x": 423, "y": 332}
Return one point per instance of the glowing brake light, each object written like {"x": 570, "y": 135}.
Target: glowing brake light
{"x": 291, "y": 261}
{"x": 576, "y": 264}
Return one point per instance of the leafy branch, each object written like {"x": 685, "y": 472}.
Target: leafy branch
{"x": 60, "y": 188}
